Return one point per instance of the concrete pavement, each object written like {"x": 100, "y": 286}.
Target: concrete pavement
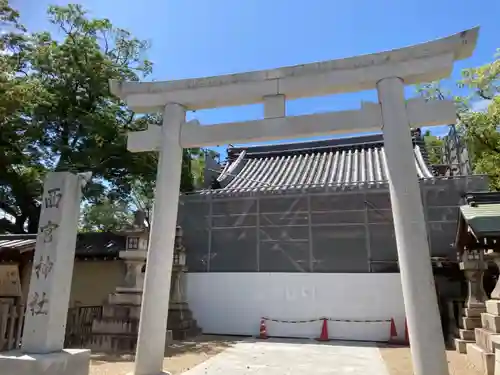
{"x": 294, "y": 357}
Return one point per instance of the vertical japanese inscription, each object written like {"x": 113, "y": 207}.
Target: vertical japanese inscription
{"x": 48, "y": 231}
{"x": 53, "y": 198}
{"x": 43, "y": 267}
{"x": 37, "y": 305}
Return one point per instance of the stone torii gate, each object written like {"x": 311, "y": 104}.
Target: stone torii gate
{"x": 388, "y": 72}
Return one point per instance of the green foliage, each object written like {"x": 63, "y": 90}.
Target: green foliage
{"x": 434, "y": 147}
{"x": 105, "y": 216}
{"x": 20, "y": 169}
{"x": 484, "y": 81}
{"x": 479, "y": 129}
{"x": 57, "y": 113}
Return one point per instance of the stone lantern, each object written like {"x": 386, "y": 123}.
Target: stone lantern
{"x": 179, "y": 269}
{"x": 134, "y": 256}
{"x": 473, "y": 265}
{"x": 180, "y": 317}
{"x": 179, "y": 250}
{"x": 117, "y": 329}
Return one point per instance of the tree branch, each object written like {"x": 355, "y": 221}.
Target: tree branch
{"x": 8, "y": 226}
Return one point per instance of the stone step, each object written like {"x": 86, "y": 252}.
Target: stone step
{"x": 473, "y": 312}
{"x": 490, "y": 322}
{"x": 484, "y": 339}
{"x": 133, "y": 312}
{"x": 115, "y": 326}
{"x": 176, "y": 315}
{"x": 184, "y": 324}
{"x": 493, "y": 307}
{"x": 461, "y": 345}
{"x": 470, "y": 322}
{"x": 466, "y": 334}
{"x": 183, "y": 334}
{"x": 121, "y": 311}
{"x": 125, "y": 299}
{"x": 115, "y": 319}
{"x": 497, "y": 362}
{"x": 172, "y": 324}
{"x": 482, "y": 361}
{"x": 110, "y": 343}
{"x": 115, "y": 343}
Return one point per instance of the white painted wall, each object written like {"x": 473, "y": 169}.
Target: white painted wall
{"x": 233, "y": 303}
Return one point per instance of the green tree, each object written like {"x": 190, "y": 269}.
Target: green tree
{"x": 57, "y": 113}
{"x": 434, "y": 147}
{"x": 56, "y": 110}
{"x": 20, "y": 169}
{"x": 192, "y": 158}
{"x": 479, "y": 129}
{"x": 104, "y": 216}
{"x": 82, "y": 126}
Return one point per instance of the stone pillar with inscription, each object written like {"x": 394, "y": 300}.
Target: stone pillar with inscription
{"x": 42, "y": 350}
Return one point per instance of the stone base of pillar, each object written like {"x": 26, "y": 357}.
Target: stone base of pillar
{"x": 65, "y": 362}
{"x": 181, "y": 322}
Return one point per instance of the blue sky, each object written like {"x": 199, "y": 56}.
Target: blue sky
{"x": 194, "y": 38}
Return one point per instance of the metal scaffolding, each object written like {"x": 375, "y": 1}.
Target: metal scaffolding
{"x": 313, "y": 229}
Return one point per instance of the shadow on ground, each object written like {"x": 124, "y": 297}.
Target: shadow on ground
{"x": 306, "y": 341}
{"x": 206, "y": 344}
{"x": 210, "y": 345}
{"x": 202, "y": 344}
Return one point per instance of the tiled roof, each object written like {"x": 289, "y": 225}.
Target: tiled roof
{"x": 20, "y": 243}
{"x": 87, "y": 244}
{"x": 349, "y": 162}
{"x": 482, "y": 214}
{"x": 99, "y": 244}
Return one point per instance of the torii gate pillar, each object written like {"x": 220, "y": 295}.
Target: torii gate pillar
{"x": 155, "y": 302}
{"x": 424, "y": 323}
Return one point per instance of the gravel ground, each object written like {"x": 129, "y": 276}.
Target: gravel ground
{"x": 398, "y": 362}
{"x": 181, "y": 356}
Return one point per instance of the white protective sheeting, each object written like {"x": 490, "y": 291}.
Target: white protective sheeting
{"x": 233, "y": 303}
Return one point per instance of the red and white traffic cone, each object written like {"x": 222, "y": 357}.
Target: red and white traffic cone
{"x": 393, "y": 333}
{"x": 324, "y": 331}
{"x": 263, "y": 329}
{"x": 407, "y": 334}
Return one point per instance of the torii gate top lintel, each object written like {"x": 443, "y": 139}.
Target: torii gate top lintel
{"x": 423, "y": 62}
